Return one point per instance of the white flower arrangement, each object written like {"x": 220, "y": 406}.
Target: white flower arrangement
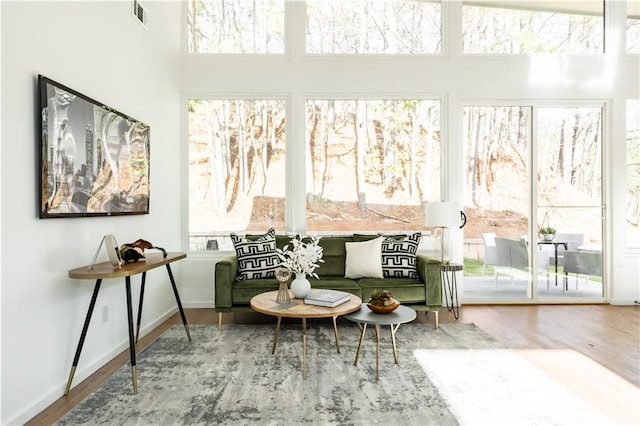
{"x": 303, "y": 258}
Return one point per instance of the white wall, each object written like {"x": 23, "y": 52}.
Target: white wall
{"x": 144, "y": 75}
{"x": 98, "y": 49}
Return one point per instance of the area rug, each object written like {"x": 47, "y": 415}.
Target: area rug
{"x": 230, "y": 377}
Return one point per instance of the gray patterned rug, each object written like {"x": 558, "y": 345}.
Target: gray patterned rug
{"x": 231, "y": 378}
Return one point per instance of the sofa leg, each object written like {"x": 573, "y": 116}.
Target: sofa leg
{"x": 219, "y": 321}
{"x": 436, "y": 318}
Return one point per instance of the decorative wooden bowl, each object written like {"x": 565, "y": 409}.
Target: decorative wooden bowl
{"x": 381, "y": 309}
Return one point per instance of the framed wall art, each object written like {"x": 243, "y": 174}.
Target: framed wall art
{"x": 94, "y": 160}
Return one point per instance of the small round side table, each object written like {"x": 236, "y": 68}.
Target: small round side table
{"x": 450, "y": 283}
{"x": 364, "y": 316}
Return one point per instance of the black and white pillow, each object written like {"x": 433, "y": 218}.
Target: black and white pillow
{"x": 256, "y": 258}
{"x": 399, "y": 256}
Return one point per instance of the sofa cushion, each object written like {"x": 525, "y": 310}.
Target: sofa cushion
{"x": 243, "y": 291}
{"x": 399, "y": 256}
{"x": 364, "y": 259}
{"x": 333, "y": 254}
{"x": 337, "y": 283}
{"x": 258, "y": 258}
{"x": 406, "y": 290}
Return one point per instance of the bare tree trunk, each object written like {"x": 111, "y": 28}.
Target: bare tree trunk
{"x": 216, "y": 162}
{"x": 360, "y": 134}
{"x": 314, "y": 137}
{"x": 572, "y": 149}
{"x": 561, "y": 144}
{"x": 331, "y": 124}
{"x": 194, "y": 33}
{"x": 242, "y": 151}
{"x": 475, "y": 173}
{"x": 415, "y": 136}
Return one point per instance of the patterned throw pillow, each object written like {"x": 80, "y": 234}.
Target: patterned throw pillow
{"x": 399, "y": 256}
{"x": 256, "y": 258}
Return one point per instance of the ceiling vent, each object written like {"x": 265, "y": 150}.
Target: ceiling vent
{"x": 139, "y": 13}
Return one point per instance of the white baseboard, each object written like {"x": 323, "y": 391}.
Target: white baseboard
{"x": 82, "y": 372}
{"x": 624, "y": 302}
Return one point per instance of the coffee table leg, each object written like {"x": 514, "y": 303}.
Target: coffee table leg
{"x": 304, "y": 348}
{"x": 363, "y": 328}
{"x": 377, "y": 351}
{"x": 275, "y": 338}
{"x": 335, "y": 333}
{"x": 393, "y": 342}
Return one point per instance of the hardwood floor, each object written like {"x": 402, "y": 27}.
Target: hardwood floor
{"x": 594, "y": 350}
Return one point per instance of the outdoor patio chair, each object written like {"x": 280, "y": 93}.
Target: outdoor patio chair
{"x": 490, "y": 250}
{"x": 513, "y": 259}
{"x": 573, "y": 242}
{"x": 582, "y": 262}
{"x": 502, "y": 260}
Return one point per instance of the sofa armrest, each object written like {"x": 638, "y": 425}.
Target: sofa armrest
{"x": 225, "y": 275}
{"x": 429, "y": 271}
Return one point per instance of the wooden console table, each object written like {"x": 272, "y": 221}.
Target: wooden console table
{"x": 103, "y": 270}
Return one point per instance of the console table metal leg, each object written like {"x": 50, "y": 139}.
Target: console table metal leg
{"x": 144, "y": 278}
{"x": 83, "y": 335}
{"x": 175, "y": 292}
{"x": 132, "y": 345}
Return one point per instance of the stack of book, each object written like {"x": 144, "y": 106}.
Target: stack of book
{"x": 329, "y": 298}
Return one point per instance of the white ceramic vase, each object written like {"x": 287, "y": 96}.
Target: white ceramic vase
{"x": 301, "y": 286}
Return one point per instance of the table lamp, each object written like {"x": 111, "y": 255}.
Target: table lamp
{"x": 443, "y": 215}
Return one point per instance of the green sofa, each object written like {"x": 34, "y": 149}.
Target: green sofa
{"x": 422, "y": 294}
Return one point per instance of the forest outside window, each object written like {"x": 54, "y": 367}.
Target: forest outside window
{"x": 371, "y": 163}
{"x": 236, "y": 169}
{"x": 236, "y": 26}
{"x": 390, "y": 27}
{"x": 525, "y": 27}
{"x": 633, "y": 173}
{"x": 633, "y": 27}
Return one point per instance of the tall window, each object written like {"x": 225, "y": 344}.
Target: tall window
{"x": 633, "y": 26}
{"x": 371, "y": 163}
{"x": 374, "y": 27}
{"x": 633, "y": 173}
{"x": 520, "y": 27}
{"x": 236, "y": 167}
{"x": 236, "y": 26}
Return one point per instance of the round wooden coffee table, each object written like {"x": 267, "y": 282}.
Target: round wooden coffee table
{"x": 265, "y": 303}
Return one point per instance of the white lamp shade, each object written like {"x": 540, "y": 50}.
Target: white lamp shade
{"x": 442, "y": 214}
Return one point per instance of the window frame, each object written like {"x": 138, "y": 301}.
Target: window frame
{"x": 219, "y": 96}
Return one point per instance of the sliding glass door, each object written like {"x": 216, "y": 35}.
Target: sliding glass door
{"x": 569, "y": 199}
{"x": 497, "y": 202}
{"x": 529, "y": 167}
